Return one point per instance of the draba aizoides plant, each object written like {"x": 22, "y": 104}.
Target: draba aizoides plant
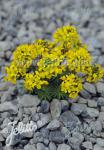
{"x": 54, "y": 69}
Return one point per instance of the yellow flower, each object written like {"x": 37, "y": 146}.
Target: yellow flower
{"x": 33, "y": 81}
{"x": 12, "y": 74}
{"x": 94, "y": 73}
{"x": 78, "y": 60}
{"x": 71, "y": 84}
{"x": 67, "y": 36}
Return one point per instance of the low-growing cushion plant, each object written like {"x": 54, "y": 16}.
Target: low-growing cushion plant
{"x": 54, "y": 69}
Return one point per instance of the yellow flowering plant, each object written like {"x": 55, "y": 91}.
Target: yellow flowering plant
{"x": 54, "y": 69}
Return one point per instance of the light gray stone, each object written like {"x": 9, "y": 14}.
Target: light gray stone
{"x": 86, "y": 128}
{"x": 85, "y": 94}
{"x": 100, "y": 88}
{"x": 87, "y": 144}
{"x": 30, "y": 16}
{"x": 90, "y": 88}
{"x": 5, "y": 45}
{"x": 15, "y": 139}
{"x": 8, "y": 55}
{"x": 5, "y": 122}
{"x": 7, "y": 148}
{"x": 66, "y": 132}
{"x": 98, "y": 147}
{"x": 78, "y": 109}
{"x": 6, "y": 96}
{"x": 44, "y": 120}
{"x": 46, "y": 142}
{"x": 74, "y": 143}
{"x": 38, "y": 137}
{"x": 53, "y": 125}
{"x": 82, "y": 100}
{"x": 19, "y": 86}
{"x": 100, "y": 142}
{"x": 30, "y": 147}
{"x": 28, "y": 134}
{"x": 78, "y": 136}
{"x": 40, "y": 146}
{"x": 51, "y": 27}
{"x": 55, "y": 108}
{"x": 8, "y": 106}
{"x": 29, "y": 101}
{"x": 2, "y": 54}
{"x": 52, "y": 146}
{"x": 92, "y": 103}
{"x": 98, "y": 125}
{"x": 1, "y": 138}
{"x": 101, "y": 118}
{"x": 4, "y": 86}
{"x": 63, "y": 147}
{"x": 91, "y": 112}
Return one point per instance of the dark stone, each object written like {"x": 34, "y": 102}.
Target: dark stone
{"x": 44, "y": 106}
{"x": 100, "y": 101}
{"x": 56, "y": 136}
{"x": 69, "y": 120}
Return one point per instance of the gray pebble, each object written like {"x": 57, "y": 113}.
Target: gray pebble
{"x": 98, "y": 147}
{"x": 90, "y": 88}
{"x": 45, "y": 106}
{"x": 92, "y": 103}
{"x": 63, "y": 147}
{"x": 44, "y": 120}
{"x": 78, "y": 109}
{"x": 55, "y": 108}
{"x": 40, "y": 146}
{"x": 100, "y": 101}
{"x": 32, "y": 147}
{"x": 69, "y": 120}
{"x": 100, "y": 142}
{"x": 100, "y": 88}
{"x": 56, "y": 136}
{"x": 29, "y": 101}
{"x": 87, "y": 144}
{"x": 4, "y": 45}
{"x": 85, "y": 94}
{"x": 64, "y": 105}
{"x": 52, "y": 146}
{"x": 9, "y": 107}
{"x": 53, "y": 125}
{"x": 91, "y": 112}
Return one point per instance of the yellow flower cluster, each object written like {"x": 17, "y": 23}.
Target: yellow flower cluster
{"x": 78, "y": 60}
{"x": 22, "y": 59}
{"x": 67, "y": 34}
{"x": 71, "y": 84}
{"x": 63, "y": 58}
{"x": 33, "y": 80}
{"x": 94, "y": 73}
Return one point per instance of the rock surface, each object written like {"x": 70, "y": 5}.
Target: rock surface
{"x": 29, "y": 101}
{"x": 8, "y": 107}
{"x": 64, "y": 146}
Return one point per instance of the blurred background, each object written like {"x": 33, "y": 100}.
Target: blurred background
{"x": 23, "y": 21}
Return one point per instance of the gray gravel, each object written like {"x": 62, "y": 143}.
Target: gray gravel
{"x": 60, "y": 125}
